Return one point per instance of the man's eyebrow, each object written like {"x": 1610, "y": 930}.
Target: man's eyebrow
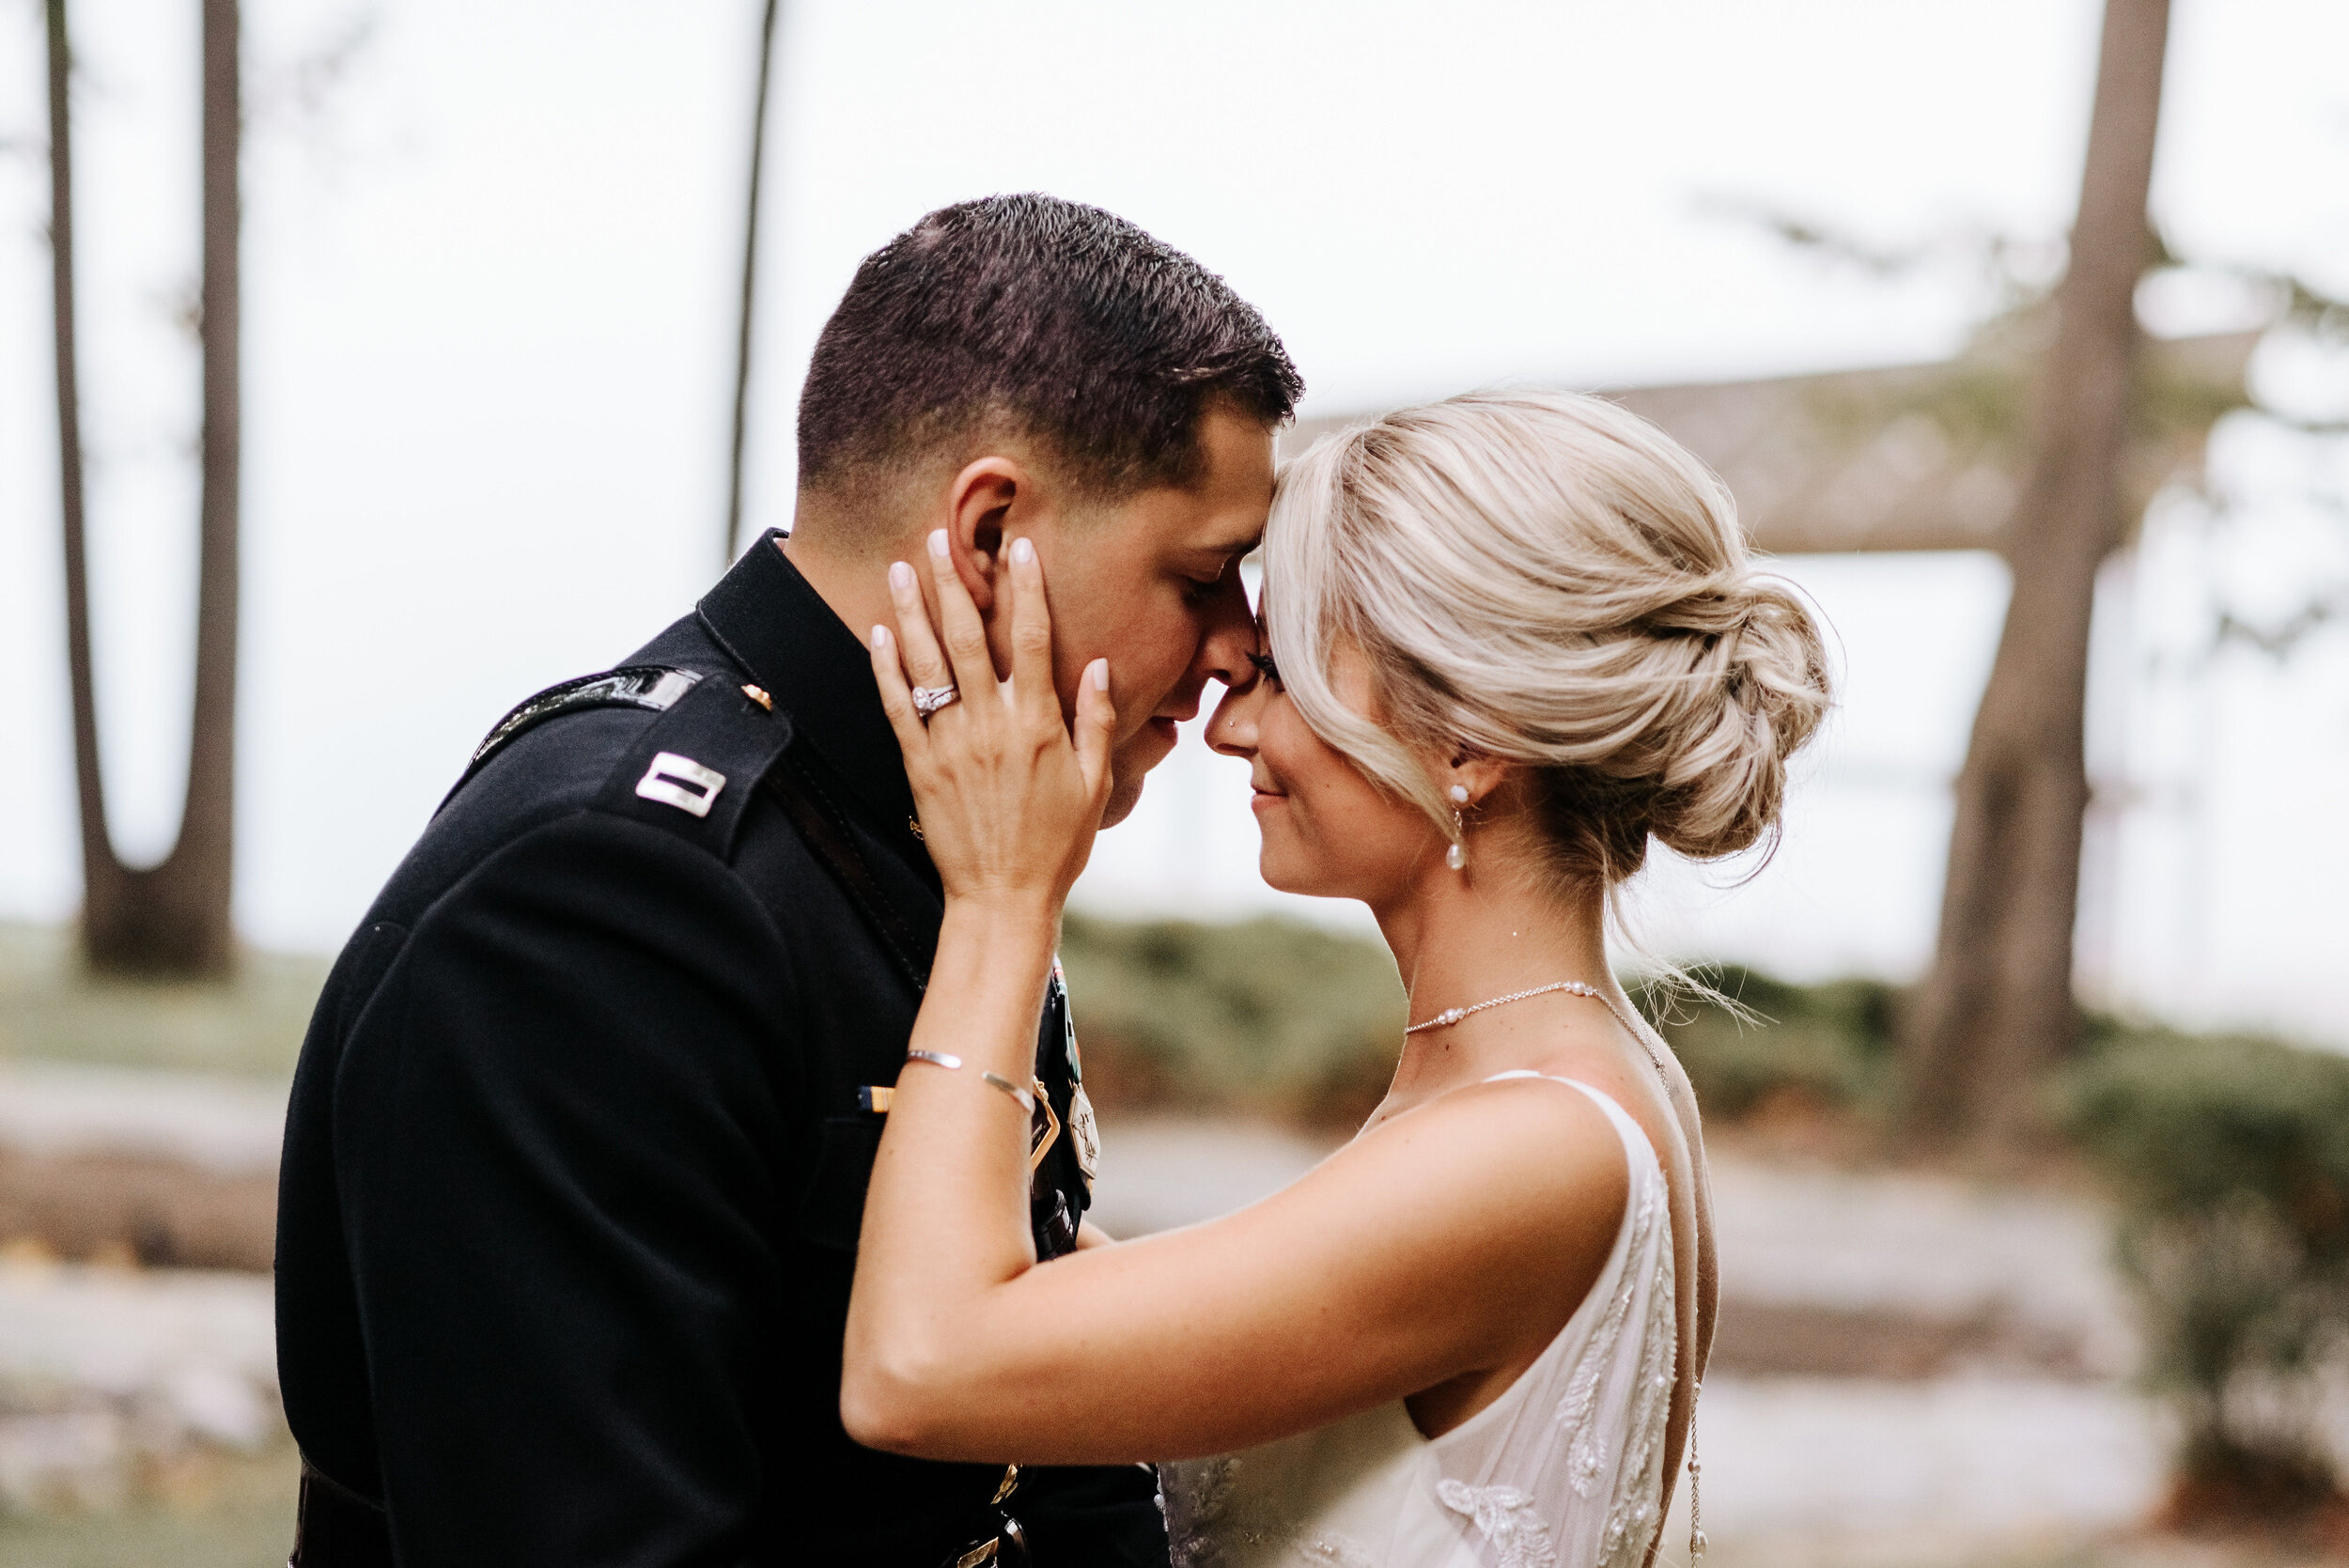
{"x": 1230, "y": 547}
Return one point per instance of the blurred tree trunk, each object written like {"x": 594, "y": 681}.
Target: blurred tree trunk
{"x": 750, "y": 288}
{"x": 101, "y": 872}
{"x": 1997, "y": 1007}
{"x": 172, "y": 918}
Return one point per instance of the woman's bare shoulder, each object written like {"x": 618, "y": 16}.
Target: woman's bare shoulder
{"x": 1528, "y": 1168}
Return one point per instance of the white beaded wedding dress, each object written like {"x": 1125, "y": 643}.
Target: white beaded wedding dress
{"x": 1565, "y": 1469}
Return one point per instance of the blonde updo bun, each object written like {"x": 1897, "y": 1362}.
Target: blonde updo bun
{"x": 1546, "y": 578}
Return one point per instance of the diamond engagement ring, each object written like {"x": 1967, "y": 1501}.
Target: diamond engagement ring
{"x": 929, "y": 699}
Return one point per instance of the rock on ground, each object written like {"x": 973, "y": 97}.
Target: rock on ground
{"x": 106, "y": 1370}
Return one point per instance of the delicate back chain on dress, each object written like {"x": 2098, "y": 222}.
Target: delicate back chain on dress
{"x": 1697, "y": 1541}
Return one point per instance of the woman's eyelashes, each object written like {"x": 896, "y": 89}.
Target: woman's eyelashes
{"x": 1266, "y": 667}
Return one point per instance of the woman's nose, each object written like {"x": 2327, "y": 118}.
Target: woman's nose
{"x": 1231, "y": 732}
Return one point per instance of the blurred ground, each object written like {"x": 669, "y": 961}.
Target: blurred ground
{"x": 137, "y": 1405}
{"x": 221, "y": 1512}
{"x": 153, "y": 1167}
{"x": 138, "y": 1418}
{"x": 1912, "y": 1371}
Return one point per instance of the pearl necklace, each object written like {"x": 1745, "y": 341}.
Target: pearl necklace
{"x": 1451, "y": 1015}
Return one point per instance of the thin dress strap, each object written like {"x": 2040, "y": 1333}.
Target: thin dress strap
{"x": 1627, "y": 1127}
{"x": 1565, "y": 1467}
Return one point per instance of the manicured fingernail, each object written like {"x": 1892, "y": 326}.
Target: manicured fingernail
{"x": 1022, "y": 552}
{"x": 901, "y": 576}
{"x": 881, "y": 638}
{"x": 1099, "y": 670}
{"x": 938, "y": 543}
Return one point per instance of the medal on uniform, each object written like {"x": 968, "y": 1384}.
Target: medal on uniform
{"x": 1084, "y": 1138}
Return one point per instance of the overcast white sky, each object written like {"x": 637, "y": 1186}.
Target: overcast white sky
{"x": 490, "y": 280}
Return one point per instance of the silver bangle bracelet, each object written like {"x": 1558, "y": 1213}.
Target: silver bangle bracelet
{"x": 1027, "y": 1100}
{"x": 939, "y": 1059}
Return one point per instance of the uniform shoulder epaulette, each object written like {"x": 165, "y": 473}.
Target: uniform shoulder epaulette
{"x": 653, "y": 687}
{"x": 692, "y": 769}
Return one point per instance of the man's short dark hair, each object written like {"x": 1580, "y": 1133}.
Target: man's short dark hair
{"x": 1065, "y": 323}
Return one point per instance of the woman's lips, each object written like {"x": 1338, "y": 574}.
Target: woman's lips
{"x": 1264, "y": 798}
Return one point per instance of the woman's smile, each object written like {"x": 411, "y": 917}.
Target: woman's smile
{"x": 1267, "y": 792}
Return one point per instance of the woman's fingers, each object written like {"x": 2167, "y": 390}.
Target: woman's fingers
{"x": 1097, "y": 726}
{"x": 959, "y": 626}
{"x": 897, "y": 696}
{"x": 925, "y": 662}
{"x": 1031, "y": 634}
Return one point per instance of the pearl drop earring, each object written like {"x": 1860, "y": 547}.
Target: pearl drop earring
{"x": 1456, "y": 857}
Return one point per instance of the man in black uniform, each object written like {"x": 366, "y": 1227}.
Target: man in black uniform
{"x": 577, "y": 1151}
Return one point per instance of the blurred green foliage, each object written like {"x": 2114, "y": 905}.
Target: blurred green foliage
{"x": 1827, "y": 1047}
{"x": 2230, "y": 1157}
{"x": 207, "y": 1509}
{"x": 51, "y": 1006}
{"x": 1266, "y": 1017}
{"x": 1270, "y": 1018}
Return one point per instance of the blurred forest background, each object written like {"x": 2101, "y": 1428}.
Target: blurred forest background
{"x": 365, "y": 368}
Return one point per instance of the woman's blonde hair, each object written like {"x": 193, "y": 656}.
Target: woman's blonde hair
{"x": 1546, "y": 578}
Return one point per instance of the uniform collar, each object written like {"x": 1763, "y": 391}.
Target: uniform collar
{"x": 776, "y": 626}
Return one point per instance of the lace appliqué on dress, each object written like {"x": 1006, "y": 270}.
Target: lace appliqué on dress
{"x": 1579, "y": 1489}
{"x": 1631, "y": 1516}
{"x": 1586, "y": 1460}
{"x": 1194, "y": 1496}
{"x": 1632, "y": 1520}
{"x": 1199, "y": 1525}
{"x": 1506, "y": 1517}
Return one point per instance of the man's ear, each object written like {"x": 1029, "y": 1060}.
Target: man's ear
{"x": 979, "y": 506}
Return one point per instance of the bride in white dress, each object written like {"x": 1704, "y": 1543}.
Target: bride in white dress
{"x": 1509, "y": 639}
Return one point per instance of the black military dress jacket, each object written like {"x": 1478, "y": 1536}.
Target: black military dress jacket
{"x": 577, "y": 1150}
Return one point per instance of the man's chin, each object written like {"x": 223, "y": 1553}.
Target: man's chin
{"x": 1124, "y": 798}
{"x": 1130, "y": 765}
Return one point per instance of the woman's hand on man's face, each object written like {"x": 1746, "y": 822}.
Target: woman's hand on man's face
{"x": 1010, "y": 793}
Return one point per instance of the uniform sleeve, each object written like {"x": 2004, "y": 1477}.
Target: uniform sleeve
{"x": 563, "y": 1150}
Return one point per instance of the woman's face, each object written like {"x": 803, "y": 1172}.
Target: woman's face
{"x": 1327, "y": 830}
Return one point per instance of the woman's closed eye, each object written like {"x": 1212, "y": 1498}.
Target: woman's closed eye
{"x": 1267, "y": 668}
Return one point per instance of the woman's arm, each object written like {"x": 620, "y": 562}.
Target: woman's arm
{"x": 1456, "y": 1238}
{"x": 1009, "y": 802}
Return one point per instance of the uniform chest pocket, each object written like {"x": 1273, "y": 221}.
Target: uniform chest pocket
{"x": 831, "y": 1206}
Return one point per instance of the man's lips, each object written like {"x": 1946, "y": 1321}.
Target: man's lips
{"x": 1166, "y": 727}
